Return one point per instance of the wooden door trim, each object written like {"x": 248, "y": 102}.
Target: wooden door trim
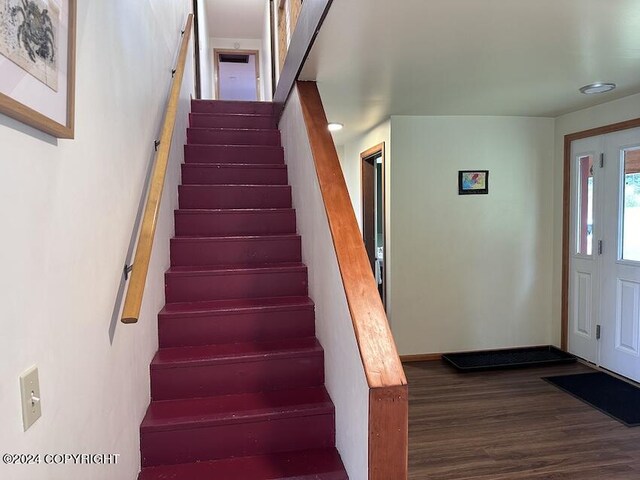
{"x": 370, "y": 152}
{"x": 566, "y": 213}
{"x": 231, "y": 51}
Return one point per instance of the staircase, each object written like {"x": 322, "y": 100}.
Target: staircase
{"x": 237, "y": 385}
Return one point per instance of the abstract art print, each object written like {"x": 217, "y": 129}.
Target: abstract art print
{"x": 37, "y": 63}
{"x": 29, "y": 35}
{"x": 473, "y": 182}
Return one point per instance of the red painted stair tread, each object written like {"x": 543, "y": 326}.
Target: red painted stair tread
{"x": 248, "y": 249}
{"x": 238, "y": 381}
{"x": 322, "y": 464}
{"x": 234, "y": 196}
{"x": 236, "y": 268}
{"x": 232, "y": 120}
{"x": 233, "y": 173}
{"x": 232, "y": 106}
{"x": 219, "y": 282}
{"x": 225, "y": 409}
{"x": 232, "y": 136}
{"x": 255, "y": 154}
{"x": 203, "y": 308}
{"x": 235, "y": 321}
{"x": 237, "y": 352}
{"x": 220, "y": 222}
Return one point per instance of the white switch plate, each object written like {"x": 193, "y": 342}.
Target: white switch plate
{"x": 30, "y": 392}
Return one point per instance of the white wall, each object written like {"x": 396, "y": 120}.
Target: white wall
{"x": 471, "y": 272}
{"x": 265, "y": 58}
{"x": 345, "y": 379}
{"x": 605, "y": 114}
{"x": 206, "y": 58}
{"x": 351, "y": 167}
{"x": 240, "y": 44}
{"x": 276, "y": 53}
{"x": 350, "y": 162}
{"x": 67, "y": 210}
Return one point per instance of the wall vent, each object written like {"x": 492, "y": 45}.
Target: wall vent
{"x": 233, "y": 58}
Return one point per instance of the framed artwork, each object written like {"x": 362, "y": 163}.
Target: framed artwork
{"x": 473, "y": 182}
{"x": 37, "y": 63}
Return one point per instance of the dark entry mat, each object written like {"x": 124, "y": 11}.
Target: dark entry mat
{"x": 615, "y": 397}
{"x": 511, "y": 358}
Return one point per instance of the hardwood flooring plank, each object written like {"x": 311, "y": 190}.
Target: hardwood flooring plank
{"x": 511, "y": 425}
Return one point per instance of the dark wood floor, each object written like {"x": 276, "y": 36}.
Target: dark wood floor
{"x": 507, "y": 425}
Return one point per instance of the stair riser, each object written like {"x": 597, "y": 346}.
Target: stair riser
{"x": 224, "y": 252}
{"x": 297, "y": 465}
{"x": 195, "y": 175}
{"x": 232, "y": 121}
{"x": 221, "y": 196}
{"x": 246, "y": 327}
{"x": 239, "y": 377}
{"x": 261, "y": 108}
{"x": 154, "y": 474}
{"x": 221, "y": 286}
{"x": 232, "y": 223}
{"x": 211, "y": 443}
{"x": 232, "y": 154}
{"x": 199, "y": 136}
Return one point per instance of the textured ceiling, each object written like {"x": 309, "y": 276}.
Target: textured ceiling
{"x": 376, "y": 58}
{"x": 235, "y": 18}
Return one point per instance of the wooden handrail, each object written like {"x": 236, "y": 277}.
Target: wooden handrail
{"x": 133, "y": 300}
{"x": 388, "y": 395}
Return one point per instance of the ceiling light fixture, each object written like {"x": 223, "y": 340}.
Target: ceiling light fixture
{"x": 335, "y": 127}
{"x": 598, "y": 87}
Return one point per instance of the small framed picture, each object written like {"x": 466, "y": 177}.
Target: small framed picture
{"x": 473, "y": 182}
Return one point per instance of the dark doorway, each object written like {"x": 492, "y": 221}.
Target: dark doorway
{"x": 373, "y": 213}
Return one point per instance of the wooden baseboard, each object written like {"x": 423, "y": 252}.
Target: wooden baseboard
{"x": 424, "y": 357}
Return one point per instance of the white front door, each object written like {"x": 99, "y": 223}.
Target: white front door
{"x": 620, "y": 305}
{"x": 604, "y": 301}
{"x": 583, "y": 265}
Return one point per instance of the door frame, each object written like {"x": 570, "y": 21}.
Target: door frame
{"x": 231, "y": 51}
{"x": 370, "y": 152}
{"x": 566, "y": 213}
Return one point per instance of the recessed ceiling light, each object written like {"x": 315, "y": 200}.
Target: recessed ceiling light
{"x": 335, "y": 127}
{"x": 598, "y": 87}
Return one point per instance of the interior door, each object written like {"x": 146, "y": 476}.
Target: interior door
{"x": 237, "y": 75}
{"x": 620, "y": 304}
{"x": 368, "y": 210}
{"x": 373, "y": 204}
{"x": 584, "y": 261}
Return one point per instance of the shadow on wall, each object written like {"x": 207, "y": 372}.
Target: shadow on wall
{"x": 27, "y": 130}
{"x": 115, "y": 315}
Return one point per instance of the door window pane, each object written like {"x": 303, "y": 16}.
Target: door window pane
{"x": 631, "y": 209}
{"x": 584, "y": 211}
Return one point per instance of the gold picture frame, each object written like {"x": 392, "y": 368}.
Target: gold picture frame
{"x": 29, "y": 114}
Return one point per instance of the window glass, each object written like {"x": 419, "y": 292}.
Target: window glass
{"x": 631, "y": 208}
{"x": 585, "y": 206}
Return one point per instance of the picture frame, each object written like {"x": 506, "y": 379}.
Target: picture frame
{"x": 38, "y": 64}
{"x": 473, "y": 182}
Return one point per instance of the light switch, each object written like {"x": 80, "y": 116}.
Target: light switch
{"x": 30, "y": 391}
